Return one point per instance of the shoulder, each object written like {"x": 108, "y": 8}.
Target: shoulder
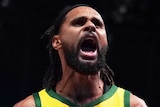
{"x": 27, "y": 102}
{"x": 135, "y": 101}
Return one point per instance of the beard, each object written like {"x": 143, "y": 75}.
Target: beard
{"x": 87, "y": 68}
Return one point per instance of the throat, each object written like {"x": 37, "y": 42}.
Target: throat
{"x": 84, "y": 96}
{"x": 81, "y": 89}
{"x": 83, "y": 93}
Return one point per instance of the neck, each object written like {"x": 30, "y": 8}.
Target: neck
{"x": 80, "y": 88}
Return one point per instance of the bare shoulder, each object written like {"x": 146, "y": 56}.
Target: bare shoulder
{"x": 27, "y": 102}
{"x": 135, "y": 101}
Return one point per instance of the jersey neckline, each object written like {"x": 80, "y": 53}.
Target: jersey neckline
{"x": 105, "y": 96}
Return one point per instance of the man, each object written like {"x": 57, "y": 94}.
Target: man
{"x": 78, "y": 74}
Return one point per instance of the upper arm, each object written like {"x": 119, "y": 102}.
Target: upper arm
{"x": 136, "y": 101}
{"x": 27, "y": 102}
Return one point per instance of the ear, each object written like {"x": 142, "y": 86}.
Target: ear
{"x": 56, "y": 42}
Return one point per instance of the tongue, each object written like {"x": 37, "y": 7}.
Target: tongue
{"x": 88, "y": 54}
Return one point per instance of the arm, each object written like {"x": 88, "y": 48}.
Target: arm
{"x": 27, "y": 102}
{"x": 136, "y": 101}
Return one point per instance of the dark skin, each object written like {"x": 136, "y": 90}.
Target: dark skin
{"x": 78, "y": 87}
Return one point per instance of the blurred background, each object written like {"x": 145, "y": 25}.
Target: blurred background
{"x": 133, "y": 29}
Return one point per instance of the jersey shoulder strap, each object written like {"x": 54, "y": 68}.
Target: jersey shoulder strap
{"x": 43, "y": 99}
{"x": 115, "y": 97}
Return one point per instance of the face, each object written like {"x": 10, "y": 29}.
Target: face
{"x": 84, "y": 40}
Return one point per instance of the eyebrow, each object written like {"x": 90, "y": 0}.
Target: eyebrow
{"x": 84, "y": 17}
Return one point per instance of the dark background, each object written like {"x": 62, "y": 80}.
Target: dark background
{"x": 133, "y": 27}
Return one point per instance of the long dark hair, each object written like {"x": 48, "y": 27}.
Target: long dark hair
{"x": 54, "y": 73}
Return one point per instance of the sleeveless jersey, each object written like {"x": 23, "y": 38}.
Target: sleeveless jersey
{"x": 114, "y": 97}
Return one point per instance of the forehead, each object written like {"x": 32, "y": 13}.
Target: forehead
{"x": 83, "y": 11}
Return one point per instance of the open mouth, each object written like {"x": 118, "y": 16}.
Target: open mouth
{"x": 88, "y": 49}
{"x": 88, "y": 45}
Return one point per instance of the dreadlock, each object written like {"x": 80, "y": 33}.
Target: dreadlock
{"x": 54, "y": 73}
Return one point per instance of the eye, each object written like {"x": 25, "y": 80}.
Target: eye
{"x": 79, "y": 21}
{"x": 97, "y": 22}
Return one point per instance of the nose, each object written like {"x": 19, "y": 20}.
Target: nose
{"x": 89, "y": 26}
